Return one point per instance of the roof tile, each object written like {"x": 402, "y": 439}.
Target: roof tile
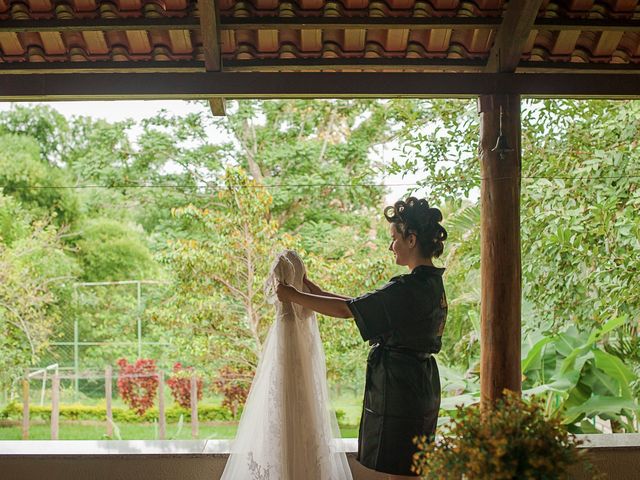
{"x": 163, "y": 44}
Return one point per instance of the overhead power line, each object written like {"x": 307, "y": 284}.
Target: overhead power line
{"x": 203, "y": 186}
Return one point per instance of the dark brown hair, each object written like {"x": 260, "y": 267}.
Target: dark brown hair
{"x": 415, "y": 216}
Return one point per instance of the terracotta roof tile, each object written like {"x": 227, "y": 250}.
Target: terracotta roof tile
{"x": 143, "y": 44}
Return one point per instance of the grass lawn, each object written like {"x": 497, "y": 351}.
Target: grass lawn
{"x": 74, "y": 430}
{"x": 348, "y": 402}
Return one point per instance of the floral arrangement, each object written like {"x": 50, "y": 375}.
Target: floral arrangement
{"x": 510, "y": 439}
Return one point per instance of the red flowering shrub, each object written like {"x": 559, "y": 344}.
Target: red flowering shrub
{"x": 234, "y": 384}
{"x": 180, "y": 385}
{"x": 138, "y": 383}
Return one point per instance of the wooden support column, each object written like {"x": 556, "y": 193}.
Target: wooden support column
{"x": 500, "y": 246}
{"x": 210, "y": 32}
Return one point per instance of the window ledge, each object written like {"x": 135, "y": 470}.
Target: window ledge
{"x": 131, "y": 447}
{"x": 220, "y": 447}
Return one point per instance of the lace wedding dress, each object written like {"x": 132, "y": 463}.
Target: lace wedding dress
{"x": 287, "y": 430}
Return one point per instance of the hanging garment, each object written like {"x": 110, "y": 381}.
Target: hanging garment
{"x": 287, "y": 430}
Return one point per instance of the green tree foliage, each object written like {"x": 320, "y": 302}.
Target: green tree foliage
{"x": 109, "y": 250}
{"x": 205, "y": 203}
{"x": 304, "y": 143}
{"x": 36, "y": 278}
{"x": 32, "y": 181}
{"x": 42, "y": 123}
{"x": 579, "y": 242}
{"x": 220, "y": 272}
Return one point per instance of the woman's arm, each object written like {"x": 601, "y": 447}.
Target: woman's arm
{"x": 316, "y": 290}
{"x": 330, "y": 306}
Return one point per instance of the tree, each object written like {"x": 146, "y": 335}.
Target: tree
{"x": 36, "y": 184}
{"x": 220, "y": 272}
{"x": 36, "y": 278}
{"x": 580, "y": 252}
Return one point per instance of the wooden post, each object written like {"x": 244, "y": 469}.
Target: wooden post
{"x": 162, "y": 421}
{"x": 194, "y": 406}
{"x": 108, "y": 375}
{"x": 25, "y": 406}
{"x": 55, "y": 405}
{"x": 500, "y": 246}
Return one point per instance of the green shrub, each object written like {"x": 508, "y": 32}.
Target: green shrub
{"x": 207, "y": 413}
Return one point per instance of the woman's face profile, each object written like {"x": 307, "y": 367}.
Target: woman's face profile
{"x": 400, "y": 246}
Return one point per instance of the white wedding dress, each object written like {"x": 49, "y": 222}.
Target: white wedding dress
{"x": 287, "y": 430}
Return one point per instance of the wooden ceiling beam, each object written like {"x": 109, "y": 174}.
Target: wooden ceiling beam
{"x": 118, "y": 86}
{"x": 509, "y": 43}
{"x": 298, "y": 23}
{"x": 153, "y": 66}
{"x": 315, "y": 64}
{"x": 246, "y": 23}
{"x": 312, "y": 65}
{"x": 211, "y": 46}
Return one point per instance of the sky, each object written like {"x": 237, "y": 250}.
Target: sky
{"x": 137, "y": 110}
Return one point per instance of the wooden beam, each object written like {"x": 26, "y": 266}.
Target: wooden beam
{"x": 210, "y": 35}
{"x": 204, "y": 85}
{"x": 500, "y": 267}
{"x": 99, "y": 24}
{"x": 588, "y": 24}
{"x": 604, "y": 69}
{"x": 311, "y": 65}
{"x": 248, "y": 23}
{"x": 341, "y": 23}
{"x": 217, "y": 106}
{"x": 315, "y": 64}
{"x": 211, "y": 45}
{"x": 169, "y": 66}
{"x": 292, "y": 64}
{"x": 298, "y": 23}
{"x": 512, "y": 35}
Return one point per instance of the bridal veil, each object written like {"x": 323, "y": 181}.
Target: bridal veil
{"x": 287, "y": 430}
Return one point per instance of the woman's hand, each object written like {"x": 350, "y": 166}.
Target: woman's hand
{"x": 285, "y": 293}
{"x": 313, "y": 288}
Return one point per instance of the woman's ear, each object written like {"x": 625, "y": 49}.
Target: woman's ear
{"x": 412, "y": 240}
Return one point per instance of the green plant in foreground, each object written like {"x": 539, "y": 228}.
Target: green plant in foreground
{"x": 510, "y": 440}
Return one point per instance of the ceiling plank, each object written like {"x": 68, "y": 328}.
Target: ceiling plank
{"x": 512, "y": 35}
{"x": 211, "y": 45}
{"x": 204, "y": 85}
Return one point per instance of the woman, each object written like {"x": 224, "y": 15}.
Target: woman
{"x": 403, "y": 321}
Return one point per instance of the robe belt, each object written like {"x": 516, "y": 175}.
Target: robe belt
{"x": 403, "y": 350}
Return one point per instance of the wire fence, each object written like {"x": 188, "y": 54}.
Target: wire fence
{"x": 107, "y": 324}
{"x": 155, "y": 396}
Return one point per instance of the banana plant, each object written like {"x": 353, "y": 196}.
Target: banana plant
{"x": 571, "y": 369}
{"x": 581, "y": 381}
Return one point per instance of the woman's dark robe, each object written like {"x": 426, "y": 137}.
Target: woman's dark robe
{"x": 403, "y": 321}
